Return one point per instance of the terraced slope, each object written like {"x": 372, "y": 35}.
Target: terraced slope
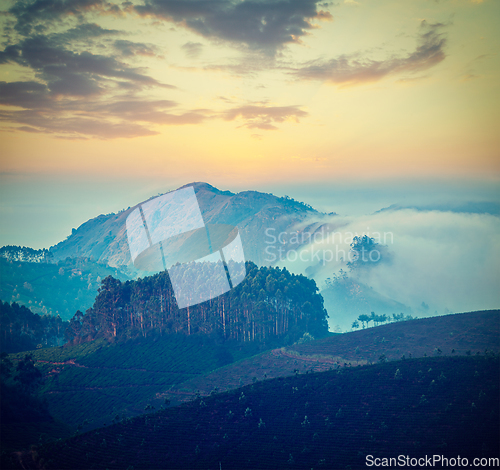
{"x": 444, "y": 406}
{"x": 452, "y": 335}
{"x": 97, "y": 381}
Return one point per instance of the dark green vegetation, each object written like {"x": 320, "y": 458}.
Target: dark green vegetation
{"x": 59, "y": 288}
{"x": 91, "y": 383}
{"x": 444, "y": 405}
{"x": 18, "y": 399}
{"x": 460, "y": 334}
{"x": 474, "y": 333}
{"x": 271, "y": 306}
{"x": 25, "y": 253}
{"x": 24, "y": 415}
{"x": 144, "y": 344}
{"x": 22, "y": 330}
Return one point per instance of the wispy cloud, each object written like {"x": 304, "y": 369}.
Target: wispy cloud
{"x": 129, "y": 48}
{"x": 83, "y": 31}
{"x": 71, "y": 73}
{"x": 85, "y": 81}
{"x": 192, "y": 49}
{"x": 264, "y": 117}
{"x": 356, "y": 69}
{"x": 101, "y": 117}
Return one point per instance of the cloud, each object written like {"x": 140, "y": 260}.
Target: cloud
{"x": 81, "y": 94}
{"x": 192, "y": 49}
{"x": 85, "y": 31}
{"x": 263, "y": 117}
{"x": 75, "y": 126}
{"x": 70, "y": 73}
{"x": 31, "y": 94}
{"x": 153, "y": 111}
{"x": 76, "y": 93}
{"x": 36, "y": 16}
{"x": 354, "y": 69}
{"x": 11, "y": 53}
{"x": 258, "y": 25}
{"x": 448, "y": 260}
{"x": 101, "y": 117}
{"x": 467, "y": 207}
{"x": 129, "y": 48}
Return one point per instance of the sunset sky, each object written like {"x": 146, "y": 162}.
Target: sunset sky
{"x": 104, "y": 104}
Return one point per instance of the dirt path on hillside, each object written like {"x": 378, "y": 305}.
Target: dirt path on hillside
{"x": 336, "y": 360}
{"x": 72, "y": 362}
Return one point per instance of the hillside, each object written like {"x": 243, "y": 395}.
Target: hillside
{"x": 105, "y": 239}
{"x": 429, "y": 406}
{"x": 91, "y": 383}
{"x": 461, "y": 334}
{"x": 99, "y": 380}
{"x": 54, "y": 288}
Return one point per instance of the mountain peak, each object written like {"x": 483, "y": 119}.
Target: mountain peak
{"x": 202, "y": 186}
{"x": 105, "y": 237}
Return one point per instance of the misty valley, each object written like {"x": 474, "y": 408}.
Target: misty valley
{"x": 249, "y": 234}
{"x": 340, "y": 362}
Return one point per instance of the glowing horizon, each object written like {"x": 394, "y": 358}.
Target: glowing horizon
{"x": 246, "y": 95}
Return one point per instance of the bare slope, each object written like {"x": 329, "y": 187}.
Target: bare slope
{"x": 105, "y": 239}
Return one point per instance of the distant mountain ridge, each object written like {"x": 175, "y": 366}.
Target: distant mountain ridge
{"x": 470, "y": 207}
{"x": 104, "y": 237}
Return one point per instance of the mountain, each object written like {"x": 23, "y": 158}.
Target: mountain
{"x": 469, "y": 207}
{"x": 104, "y": 238}
{"x": 444, "y": 407}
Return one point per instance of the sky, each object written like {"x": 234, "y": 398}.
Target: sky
{"x": 350, "y": 106}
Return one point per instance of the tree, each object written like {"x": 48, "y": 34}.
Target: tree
{"x": 270, "y": 304}
{"x": 5, "y": 366}
{"x": 28, "y": 376}
{"x": 365, "y": 251}
{"x": 364, "y": 319}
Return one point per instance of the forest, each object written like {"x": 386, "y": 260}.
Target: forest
{"x": 270, "y": 304}
{"x": 23, "y": 330}
{"x": 24, "y": 253}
